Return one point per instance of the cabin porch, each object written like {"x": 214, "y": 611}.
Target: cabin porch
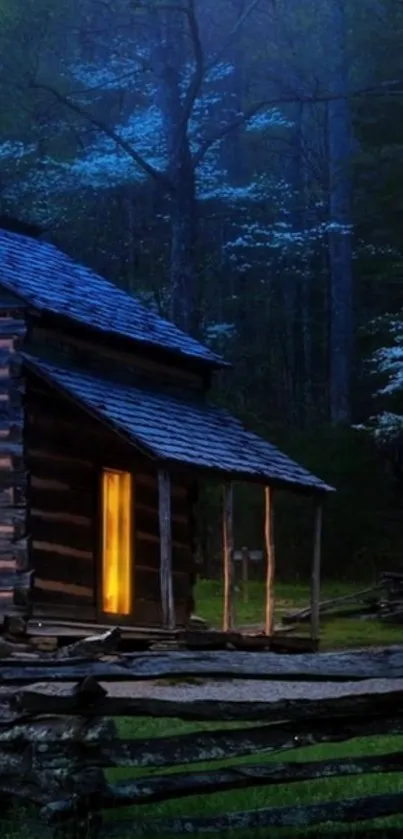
{"x": 113, "y": 466}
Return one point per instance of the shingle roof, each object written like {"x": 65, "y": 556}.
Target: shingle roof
{"x": 178, "y": 429}
{"x": 52, "y": 282}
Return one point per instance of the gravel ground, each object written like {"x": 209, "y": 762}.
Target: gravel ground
{"x": 238, "y": 690}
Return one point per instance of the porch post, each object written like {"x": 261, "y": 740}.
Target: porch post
{"x": 228, "y": 558}
{"x": 270, "y": 559}
{"x": 315, "y": 578}
{"x": 166, "y": 584}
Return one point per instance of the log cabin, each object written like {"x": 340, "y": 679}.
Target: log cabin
{"x": 106, "y": 429}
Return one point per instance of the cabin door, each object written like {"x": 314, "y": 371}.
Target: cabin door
{"x": 117, "y": 563}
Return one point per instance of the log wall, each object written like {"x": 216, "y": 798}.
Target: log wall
{"x": 66, "y": 451}
{"x": 14, "y": 560}
{"x": 76, "y": 345}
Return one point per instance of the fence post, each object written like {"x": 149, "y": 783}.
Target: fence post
{"x": 165, "y": 523}
{"x": 315, "y": 580}
{"x": 228, "y": 557}
{"x": 245, "y": 574}
{"x": 270, "y": 558}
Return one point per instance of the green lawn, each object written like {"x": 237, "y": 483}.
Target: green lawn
{"x": 339, "y": 633}
{"x": 335, "y": 633}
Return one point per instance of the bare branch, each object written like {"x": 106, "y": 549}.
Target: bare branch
{"x": 197, "y": 79}
{"x": 234, "y": 31}
{"x": 385, "y": 89}
{"x": 154, "y": 173}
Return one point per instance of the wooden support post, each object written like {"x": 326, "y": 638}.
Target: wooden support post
{"x": 245, "y": 574}
{"x": 166, "y": 583}
{"x": 315, "y": 579}
{"x": 228, "y": 556}
{"x": 270, "y": 559}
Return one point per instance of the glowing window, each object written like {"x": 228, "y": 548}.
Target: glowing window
{"x": 117, "y": 506}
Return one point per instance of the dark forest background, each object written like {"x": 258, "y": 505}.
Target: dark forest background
{"x": 239, "y": 165}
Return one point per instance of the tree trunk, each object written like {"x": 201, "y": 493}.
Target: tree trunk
{"x": 184, "y": 233}
{"x": 339, "y": 236}
{"x": 169, "y": 58}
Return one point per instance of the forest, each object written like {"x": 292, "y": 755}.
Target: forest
{"x": 238, "y": 165}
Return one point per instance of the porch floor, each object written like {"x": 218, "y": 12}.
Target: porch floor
{"x": 50, "y": 634}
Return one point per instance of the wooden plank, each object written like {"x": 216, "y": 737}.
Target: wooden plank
{"x": 325, "y": 667}
{"x": 154, "y": 539}
{"x": 11, "y": 431}
{"x": 167, "y": 596}
{"x": 151, "y": 480}
{"x": 148, "y": 556}
{"x": 56, "y": 586}
{"x": 60, "y": 550}
{"x": 148, "y": 585}
{"x": 49, "y": 566}
{"x": 147, "y": 523}
{"x": 6, "y": 602}
{"x": 245, "y": 574}
{"x": 228, "y": 567}
{"x": 51, "y": 730}
{"x": 270, "y": 559}
{"x": 10, "y": 479}
{"x": 315, "y": 580}
{"x": 63, "y": 516}
{"x": 57, "y": 497}
{"x": 159, "y": 788}
{"x": 8, "y": 582}
{"x": 148, "y": 613}
{"x": 74, "y": 475}
{"x": 48, "y": 531}
{"x": 147, "y": 499}
{"x": 15, "y": 587}
{"x": 365, "y": 596}
{"x": 204, "y": 746}
{"x": 11, "y": 516}
{"x": 47, "y": 453}
{"x": 130, "y": 360}
{"x": 47, "y": 610}
{"x": 43, "y": 699}
{"x": 8, "y": 565}
{"x": 299, "y": 816}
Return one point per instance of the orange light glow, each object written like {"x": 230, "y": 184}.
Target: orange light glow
{"x": 117, "y": 507}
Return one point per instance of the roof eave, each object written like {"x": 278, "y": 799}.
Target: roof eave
{"x": 319, "y": 489}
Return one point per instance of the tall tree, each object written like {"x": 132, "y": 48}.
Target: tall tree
{"x": 340, "y": 219}
{"x": 174, "y": 55}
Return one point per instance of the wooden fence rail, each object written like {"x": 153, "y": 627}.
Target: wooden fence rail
{"x": 58, "y": 738}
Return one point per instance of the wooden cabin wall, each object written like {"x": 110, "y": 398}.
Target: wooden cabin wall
{"x": 66, "y": 449}
{"x": 82, "y": 346}
{"x": 14, "y": 558}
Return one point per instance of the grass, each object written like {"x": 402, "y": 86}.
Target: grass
{"x": 339, "y": 633}
{"x": 336, "y": 633}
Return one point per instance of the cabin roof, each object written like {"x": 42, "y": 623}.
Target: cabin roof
{"x": 177, "y": 428}
{"x": 50, "y": 281}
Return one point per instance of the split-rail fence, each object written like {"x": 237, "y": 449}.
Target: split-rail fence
{"x": 59, "y": 734}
